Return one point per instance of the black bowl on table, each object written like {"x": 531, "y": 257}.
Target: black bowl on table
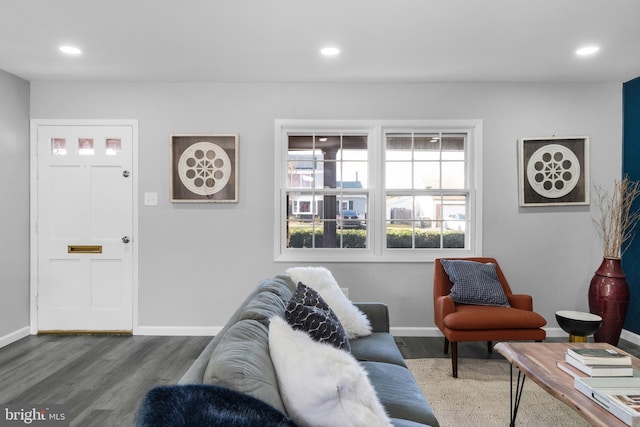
{"x": 579, "y": 325}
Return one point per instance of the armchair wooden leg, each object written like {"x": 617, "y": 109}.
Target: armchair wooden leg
{"x": 446, "y": 345}
{"x": 490, "y": 346}
{"x": 454, "y": 359}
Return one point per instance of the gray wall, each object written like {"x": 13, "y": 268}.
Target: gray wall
{"x": 197, "y": 262}
{"x": 14, "y": 214}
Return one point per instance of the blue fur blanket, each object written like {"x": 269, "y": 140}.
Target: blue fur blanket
{"x": 201, "y": 405}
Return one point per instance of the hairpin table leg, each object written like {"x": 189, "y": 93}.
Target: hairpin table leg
{"x": 515, "y": 400}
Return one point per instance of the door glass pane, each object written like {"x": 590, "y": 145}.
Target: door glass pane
{"x": 114, "y": 146}
{"x": 85, "y": 146}
{"x": 58, "y": 146}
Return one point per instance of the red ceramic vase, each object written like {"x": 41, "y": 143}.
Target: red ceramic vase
{"x": 609, "y": 298}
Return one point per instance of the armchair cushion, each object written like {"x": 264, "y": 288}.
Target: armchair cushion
{"x": 477, "y": 317}
{"x": 475, "y": 283}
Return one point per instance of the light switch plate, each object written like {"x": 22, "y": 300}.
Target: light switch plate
{"x": 151, "y": 199}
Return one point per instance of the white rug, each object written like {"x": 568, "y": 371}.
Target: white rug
{"x": 480, "y": 395}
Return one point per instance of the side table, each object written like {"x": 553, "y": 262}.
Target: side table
{"x": 577, "y": 324}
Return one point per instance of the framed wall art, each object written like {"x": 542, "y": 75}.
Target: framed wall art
{"x": 554, "y": 171}
{"x": 204, "y": 168}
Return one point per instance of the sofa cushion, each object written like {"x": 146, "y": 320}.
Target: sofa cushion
{"x": 320, "y": 384}
{"x": 474, "y": 283}
{"x": 241, "y": 361}
{"x": 206, "y": 405}
{"x": 281, "y": 285}
{"x": 307, "y": 311}
{"x": 263, "y": 306}
{"x": 377, "y": 347}
{"x": 353, "y": 320}
{"x": 399, "y": 393}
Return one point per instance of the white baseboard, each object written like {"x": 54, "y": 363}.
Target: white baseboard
{"x": 398, "y": 331}
{"x": 630, "y": 336}
{"x": 556, "y": 333}
{"x": 194, "y": 331}
{"x": 410, "y": 331}
{"x": 15, "y": 336}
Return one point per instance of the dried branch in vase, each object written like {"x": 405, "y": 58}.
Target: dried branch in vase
{"x": 617, "y": 219}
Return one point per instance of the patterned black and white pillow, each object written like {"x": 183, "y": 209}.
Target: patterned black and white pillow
{"x": 307, "y": 311}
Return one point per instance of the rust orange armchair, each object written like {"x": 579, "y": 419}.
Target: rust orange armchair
{"x": 468, "y": 322}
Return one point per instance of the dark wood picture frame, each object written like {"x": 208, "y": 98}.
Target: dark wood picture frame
{"x": 204, "y": 168}
{"x": 553, "y": 171}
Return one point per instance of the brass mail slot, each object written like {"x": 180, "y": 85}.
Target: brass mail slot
{"x": 84, "y": 249}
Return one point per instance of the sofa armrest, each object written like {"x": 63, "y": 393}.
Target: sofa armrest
{"x": 521, "y": 301}
{"x": 377, "y": 313}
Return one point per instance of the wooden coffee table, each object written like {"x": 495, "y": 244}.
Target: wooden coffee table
{"x": 538, "y": 361}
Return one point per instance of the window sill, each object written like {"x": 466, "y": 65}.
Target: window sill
{"x": 364, "y": 256}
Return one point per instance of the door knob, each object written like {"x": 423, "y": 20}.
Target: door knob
{"x": 126, "y": 239}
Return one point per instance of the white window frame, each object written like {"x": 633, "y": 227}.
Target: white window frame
{"x": 376, "y": 250}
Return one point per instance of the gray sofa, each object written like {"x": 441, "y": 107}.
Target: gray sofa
{"x": 238, "y": 357}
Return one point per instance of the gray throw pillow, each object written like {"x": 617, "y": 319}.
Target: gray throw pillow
{"x": 307, "y": 311}
{"x": 475, "y": 283}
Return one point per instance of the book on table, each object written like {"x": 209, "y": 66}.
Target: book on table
{"x": 600, "y": 370}
{"x": 619, "y": 396}
{"x": 574, "y": 372}
{"x": 599, "y": 356}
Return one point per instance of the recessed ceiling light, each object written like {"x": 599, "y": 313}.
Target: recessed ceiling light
{"x": 587, "y": 50}
{"x": 70, "y": 50}
{"x": 330, "y": 51}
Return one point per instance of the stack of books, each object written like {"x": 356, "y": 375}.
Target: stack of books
{"x": 619, "y": 396}
{"x": 597, "y": 362}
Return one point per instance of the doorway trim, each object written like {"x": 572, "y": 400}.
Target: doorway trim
{"x": 33, "y": 211}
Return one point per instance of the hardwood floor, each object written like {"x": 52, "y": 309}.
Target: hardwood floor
{"x": 101, "y": 380}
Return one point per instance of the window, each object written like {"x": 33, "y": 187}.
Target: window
{"x": 377, "y": 190}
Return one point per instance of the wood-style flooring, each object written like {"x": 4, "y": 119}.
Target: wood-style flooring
{"x": 101, "y": 380}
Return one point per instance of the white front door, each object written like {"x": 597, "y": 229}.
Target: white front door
{"x": 84, "y": 227}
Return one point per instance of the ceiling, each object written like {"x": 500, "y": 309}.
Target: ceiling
{"x": 280, "y": 40}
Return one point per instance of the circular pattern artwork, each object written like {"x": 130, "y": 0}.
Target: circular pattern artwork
{"x": 553, "y": 171}
{"x": 204, "y": 168}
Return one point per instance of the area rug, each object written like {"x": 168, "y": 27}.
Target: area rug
{"x": 480, "y": 395}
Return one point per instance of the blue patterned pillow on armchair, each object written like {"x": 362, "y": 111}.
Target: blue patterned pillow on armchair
{"x": 475, "y": 283}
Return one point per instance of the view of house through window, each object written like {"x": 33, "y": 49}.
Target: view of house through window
{"x": 326, "y": 204}
{"x": 378, "y": 191}
{"x": 426, "y": 196}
